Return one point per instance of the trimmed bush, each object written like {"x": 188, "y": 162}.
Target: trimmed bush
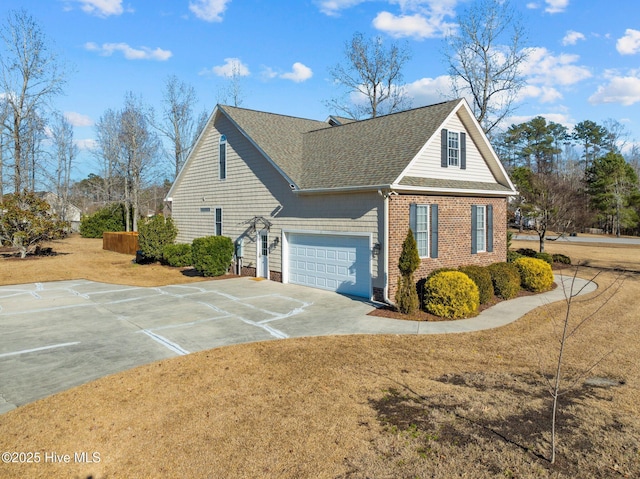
{"x": 451, "y": 294}
{"x": 212, "y": 255}
{"x": 530, "y": 253}
{"x": 482, "y": 278}
{"x": 177, "y": 255}
{"x": 512, "y": 256}
{"x": 536, "y": 275}
{"x": 545, "y": 257}
{"x": 154, "y": 234}
{"x": 561, "y": 258}
{"x": 111, "y": 218}
{"x": 506, "y": 279}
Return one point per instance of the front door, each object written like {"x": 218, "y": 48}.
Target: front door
{"x": 263, "y": 255}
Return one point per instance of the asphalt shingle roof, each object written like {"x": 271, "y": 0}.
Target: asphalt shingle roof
{"x": 316, "y": 155}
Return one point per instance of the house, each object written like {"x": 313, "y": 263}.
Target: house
{"x": 328, "y": 204}
{"x": 65, "y": 211}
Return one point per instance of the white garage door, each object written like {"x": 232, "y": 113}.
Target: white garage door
{"x": 336, "y": 263}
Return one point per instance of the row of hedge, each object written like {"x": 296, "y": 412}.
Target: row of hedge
{"x": 458, "y": 293}
{"x": 209, "y": 255}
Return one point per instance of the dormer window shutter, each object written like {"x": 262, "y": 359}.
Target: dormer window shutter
{"x": 463, "y": 151}
{"x": 444, "y": 148}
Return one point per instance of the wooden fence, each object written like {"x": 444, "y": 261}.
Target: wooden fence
{"x": 121, "y": 242}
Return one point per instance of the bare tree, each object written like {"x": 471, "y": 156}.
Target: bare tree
{"x": 372, "y": 77}
{"x": 108, "y": 154}
{"x": 569, "y": 327}
{"x": 232, "y": 92}
{"x": 485, "y": 57}
{"x": 29, "y": 75}
{"x": 65, "y": 151}
{"x": 178, "y": 123}
{"x": 139, "y": 146}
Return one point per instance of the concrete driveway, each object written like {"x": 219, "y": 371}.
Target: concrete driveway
{"x": 57, "y": 335}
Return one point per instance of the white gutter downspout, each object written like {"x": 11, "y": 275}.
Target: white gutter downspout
{"x": 385, "y": 248}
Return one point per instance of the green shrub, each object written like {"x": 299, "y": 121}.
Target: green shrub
{"x": 407, "y": 300}
{"x": 177, "y": 255}
{"x": 530, "y": 253}
{"x": 512, "y": 256}
{"x": 482, "y": 278}
{"x": 108, "y": 218}
{"x": 544, "y": 257}
{"x": 451, "y": 294}
{"x": 506, "y": 279}
{"x": 212, "y": 255}
{"x": 536, "y": 275}
{"x": 154, "y": 234}
{"x": 561, "y": 258}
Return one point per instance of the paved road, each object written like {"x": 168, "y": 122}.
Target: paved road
{"x": 579, "y": 239}
{"x": 54, "y": 336}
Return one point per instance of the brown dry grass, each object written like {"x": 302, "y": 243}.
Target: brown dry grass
{"x": 464, "y": 405}
{"x": 76, "y": 257}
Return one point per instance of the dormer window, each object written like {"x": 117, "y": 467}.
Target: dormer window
{"x": 453, "y": 149}
{"x": 223, "y": 158}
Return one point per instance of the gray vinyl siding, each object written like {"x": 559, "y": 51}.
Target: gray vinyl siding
{"x": 253, "y": 187}
{"x": 427, "y": 163}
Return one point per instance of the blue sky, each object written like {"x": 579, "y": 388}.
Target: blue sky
{"x": 584, "y": 62}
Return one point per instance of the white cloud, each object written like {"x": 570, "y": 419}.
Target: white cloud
{"x": 418, "y": 19}
{"x": 553, "y": 6}
{"x": 130, "y": 53}
{"x": 556, "y": 117}
{"x": 101, "y": 8}
{"x": 231, "y": 67}
{"x": 87, "y": 144}
{"x": 333, "y": 7}
{"x": 629, "y": 44}
{"x": 544, "y": 68}
{"x": 620, "y": 89}
{"x": 572, "y": 37}
{"x": 427, "y": 91}
{"x": 556, "y": 6}
{"x": 78, "y": 119}
{"x": 544, "y": 94}
{"x": 299, "y": 73}
{"x": 209, "y": 10}
{"x": 398, "y": 26}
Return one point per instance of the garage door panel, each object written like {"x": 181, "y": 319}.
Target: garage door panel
{"x": 337, "y": 263}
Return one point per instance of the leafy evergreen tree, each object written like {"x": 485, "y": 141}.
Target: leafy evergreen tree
{"x": 407, "y": 295}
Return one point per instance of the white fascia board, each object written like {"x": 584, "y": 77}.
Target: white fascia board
{"x": 451, "y": 191}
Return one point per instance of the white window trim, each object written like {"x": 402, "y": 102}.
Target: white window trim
{"x": 457, "y": 149}
{"x": 481, "y": 213}
{"x": 427, "y": 231}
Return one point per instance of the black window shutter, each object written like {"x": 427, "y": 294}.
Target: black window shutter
{"x": 444, "y": 148}
{"x": 434, "y": 231}
{"x": 489, "y": 228}
{"x": 474, "y": 226}
{"x": 463, "y": 151}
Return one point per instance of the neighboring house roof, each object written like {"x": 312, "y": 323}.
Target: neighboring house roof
{"x": 342, "y": 153}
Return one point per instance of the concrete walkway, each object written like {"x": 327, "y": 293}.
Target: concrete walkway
{"x": 54, "y": 336}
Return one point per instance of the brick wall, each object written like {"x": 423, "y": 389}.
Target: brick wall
{"x": 454, "y": 222}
